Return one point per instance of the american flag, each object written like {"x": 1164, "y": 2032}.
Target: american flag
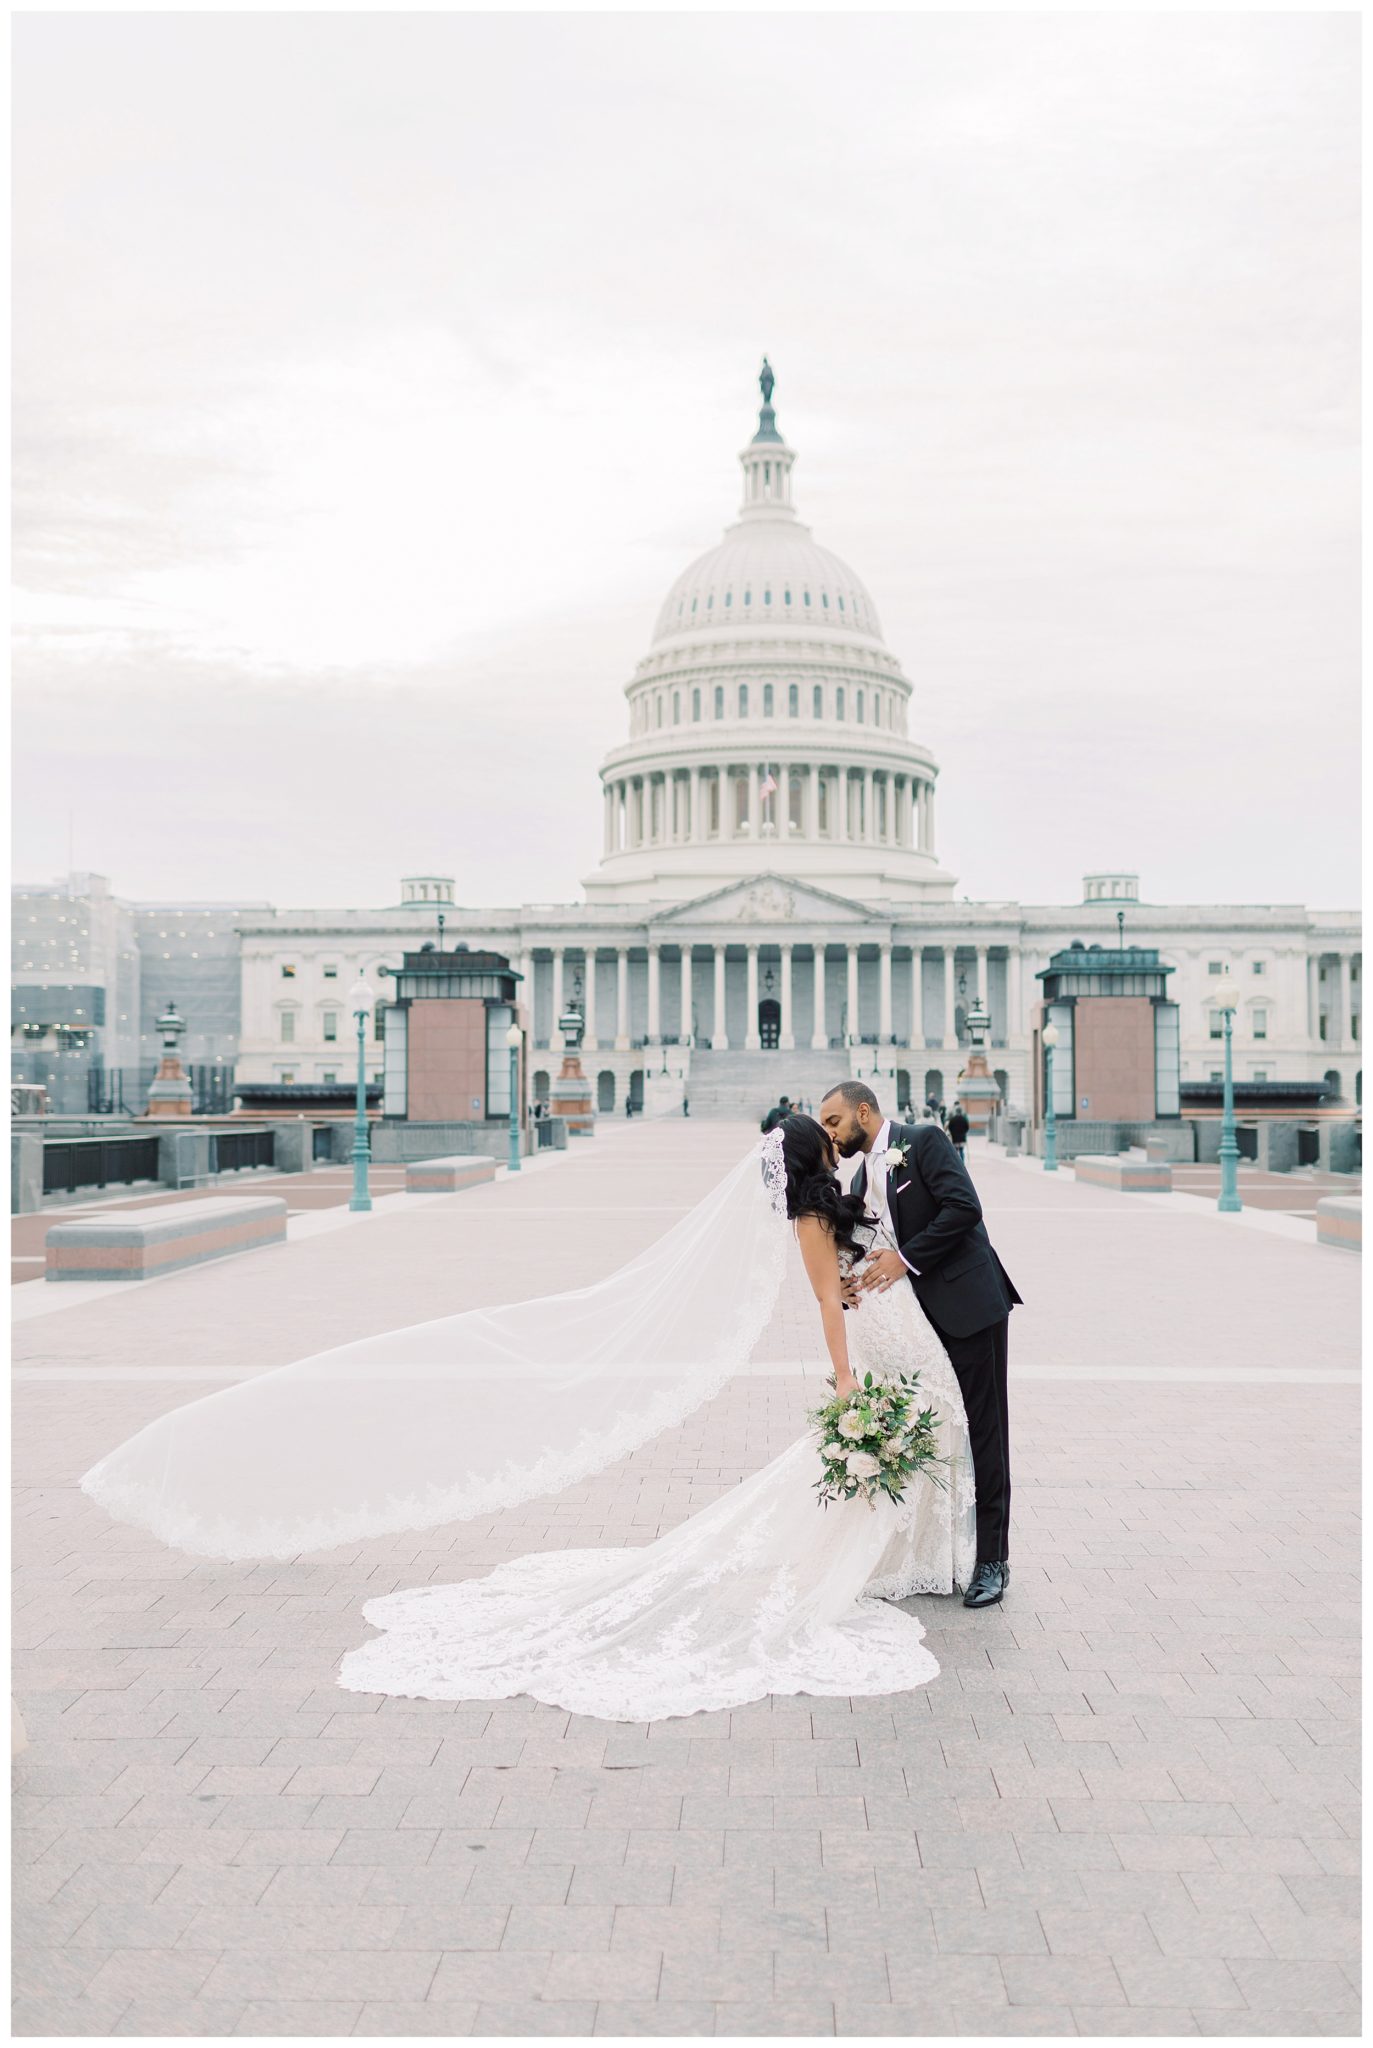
{"x": 767, "y": 785}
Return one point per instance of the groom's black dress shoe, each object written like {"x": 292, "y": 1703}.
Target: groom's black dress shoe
{"x": 989, "y": 1582}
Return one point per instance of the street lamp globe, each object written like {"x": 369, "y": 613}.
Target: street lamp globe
{"x": 513, "y": 1037}
{"x": 1049, "y": 1035}
{"x": 360, "y": 996}
{"x": 1225, "y": 990}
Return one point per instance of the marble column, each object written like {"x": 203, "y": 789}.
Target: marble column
{"x": 868, "y": 824}
{"x": 719, "y": 1042}
{"x": 694, "y": 822}
{"x": 622, "y": 999}
{"x": 950, "y": 1021}
{"x": 851, "y": 993}
{"x": 755, "y": 809}
{"x": 589, "y": 999}
{"x": 788, "y": 1038}
{"x": 1346, "y": 1037}
{"x": 917, "y": 1031}
{"x": 1015, "y": 1021}
{"x": 884, "y": 1030}
{"x": 555, "y": 1037}
{"x": 609, "y": 811}
{"x": 655, "y": 1024}
{"x": 810, "y": 811}
{"x": 751, "y": 1038}
{"x": 1313, "y": 997}
{"x": 841, "y": 808}
{"x": 819, "y": 1036}
{"x": 684, "y": 1010}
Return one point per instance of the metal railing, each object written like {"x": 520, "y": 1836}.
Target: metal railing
{"x": 232, "y": 1150}
{"x": 72, "y": 1163}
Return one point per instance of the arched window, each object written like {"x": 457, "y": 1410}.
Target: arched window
{"x": 839, "y": 702}
{"x": 767, "y": 597}
{"x": 710, "y": 602}
{"x": 719, "y": 700}
{"x": 748, "y": 597}
{"x": 817, "y": 701}
{"x": 858, "y": 706}
{"x": 693, "y": 604}
{"x": 657, "y": 711}
{"x": 841, "y": 604}
{"x": 825, "y": 599}
{"x": 743, "y": 700}
{"x": 786, "y": 597}
{"x": 805, "y": 597}
{"x": 696, "y": 707}
{"x": 793, "y": 700}
{"x": 676, "y": 707}
{"x": 822, "y": 791}
{"x": 729, "y": 599}
{"x": 767, "y": 700}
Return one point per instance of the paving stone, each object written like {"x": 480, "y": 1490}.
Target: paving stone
{"x": 566, "y": 2017}
{"x": 295, "y": 2018}
{"x": 1160, "y": 1749}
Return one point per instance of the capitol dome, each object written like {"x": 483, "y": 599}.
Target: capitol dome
{"x": 768, "y": 722}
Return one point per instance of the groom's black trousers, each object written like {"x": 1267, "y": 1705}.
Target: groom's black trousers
{"x": 979, "y": 1364}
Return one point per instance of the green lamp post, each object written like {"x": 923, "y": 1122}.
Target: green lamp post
{"x": 513, "y": 1038}
{"x": 1049, "y": 1038}
{"x": 360, "y": 1000}
{"x": 1224, "y": 996}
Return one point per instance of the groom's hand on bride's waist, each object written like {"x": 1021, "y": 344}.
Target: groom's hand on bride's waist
{"x": 883, "y": 1270}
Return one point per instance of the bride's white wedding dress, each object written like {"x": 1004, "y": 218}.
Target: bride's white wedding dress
{"x": 762, "y": 1592}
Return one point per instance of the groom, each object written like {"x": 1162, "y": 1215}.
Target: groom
{"x": 959, "y": 1281}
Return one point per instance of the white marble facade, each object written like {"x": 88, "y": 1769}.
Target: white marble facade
{"x": 769, "y": 871}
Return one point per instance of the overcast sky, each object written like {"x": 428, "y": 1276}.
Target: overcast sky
{"x": 378, "y": 373}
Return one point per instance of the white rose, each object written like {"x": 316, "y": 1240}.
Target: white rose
{"x": 834, "y": 1451}
{"x": 893, "y": 1447}
{"x": 862, "y": 1465}
{"x": 851, "y": 1424}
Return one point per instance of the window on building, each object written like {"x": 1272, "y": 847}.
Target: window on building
{"x": 805, "y": 597}
{"x": 817, "y": 701}
{"x": 822, "y": 794}
{"x": 379, "y": 1021}
{"x": 786, "y": 597}
{"x": 287, "y": 1076}
{"x": 743, "y": 700}
{"x": 1217, "y": 1074}
{"x": 729, "y": 599}
{"x": 1354, "y": 1025}
{"x": 1216, "y": 1024}
{"x": 1215, "y": 966}
{"x": 1260, "y": 1074}
{"x": 767, "y": 700}
{"x": 1260, "y": 1023}
{"x": 288, "y": 1027}
{"x": 793, "y": 700}
{"x": 767, "y": 597}
{"x": 858, "y": 706}
{"x": 825, "y": 599}
{"x": 748, "y": 597}
{"x": 333, "y": 1076}
{"x": 676, "y": 707}
{"x": 839, "y": 702}
{"x": 330, "y": 973}
{"x": 330, "y": 1026}
{"x": 287, "y": 973}
{"x": 719, "y": 700}
{"x": 1321, "y": 1032}
{"x": 696, "y": 707}
{"x": 1260, "y": 967}
{"x": 658, "y": 711}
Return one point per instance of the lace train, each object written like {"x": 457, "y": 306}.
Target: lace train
{"x": 762, "y": 1592}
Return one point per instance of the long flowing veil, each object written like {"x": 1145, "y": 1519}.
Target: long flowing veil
{"x": 456, "y": 1418}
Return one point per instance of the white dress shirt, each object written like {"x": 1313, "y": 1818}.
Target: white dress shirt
{"x": 877, "y": 1191}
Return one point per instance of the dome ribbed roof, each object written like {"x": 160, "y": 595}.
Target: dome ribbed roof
{"x": 768, "y": 573}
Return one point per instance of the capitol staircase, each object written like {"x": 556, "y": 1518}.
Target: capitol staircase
{"x": 742, "y": 1086}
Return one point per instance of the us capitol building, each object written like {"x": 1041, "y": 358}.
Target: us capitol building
{"x": 770, "y": 909}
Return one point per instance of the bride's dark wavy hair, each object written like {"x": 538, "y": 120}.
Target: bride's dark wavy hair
{"x": 812, "y": 1184}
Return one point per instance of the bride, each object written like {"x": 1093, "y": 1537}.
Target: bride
{"x": 762, "y": 1592}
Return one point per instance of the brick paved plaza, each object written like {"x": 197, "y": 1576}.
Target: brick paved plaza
{"x": 1126, "y": 1806}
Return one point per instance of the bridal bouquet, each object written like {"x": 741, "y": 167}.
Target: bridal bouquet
{"x": 874, "y": 1440}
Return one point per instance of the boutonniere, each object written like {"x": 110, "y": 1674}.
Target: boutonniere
{"x": 894, "y": 1156}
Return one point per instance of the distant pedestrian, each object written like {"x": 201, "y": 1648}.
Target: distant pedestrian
{"x": 958, "y": 1131}
{"x": 943, "y": 1115}
{"x": 776, "y": 1116}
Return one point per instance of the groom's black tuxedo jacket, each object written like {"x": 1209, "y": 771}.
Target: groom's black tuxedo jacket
{"x": 959, "y": 1281}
